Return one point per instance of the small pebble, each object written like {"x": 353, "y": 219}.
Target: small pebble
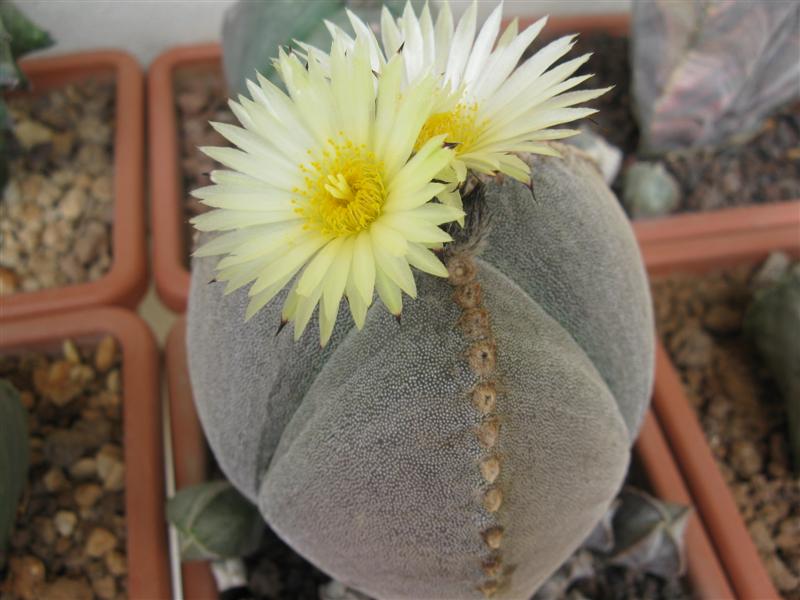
{"x": 84, "y": 468}
{"x": 68, "y": 589}
{"x": 746, "y": 458}
{"x": 27, "y": 577}
{"x": 116, "y": 563}
{"x": 100, "y": 542}
{"x": 105, "y": 587}
{"x": 106, "y": 354}
{"x": 65, "y": 522}
{"x": 54, "y": 480}
{"x": 88, "y": 494}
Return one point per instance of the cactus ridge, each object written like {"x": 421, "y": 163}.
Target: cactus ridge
{"x": 481, "y": 356}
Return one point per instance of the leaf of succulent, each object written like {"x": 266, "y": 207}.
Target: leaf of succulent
{"x": 13, "y": 456}
{"x": 488, "y": 106}
{"x": 328, "y": 189}
{"x": 649, "y": 535}
{"x": 214, "y": 521}
{"x": 18, "y": 36}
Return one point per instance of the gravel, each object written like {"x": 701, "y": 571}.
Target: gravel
{"x": 69, "y": 537}
{"x": 741, "y": 411}
{"x": 57, "y": 206}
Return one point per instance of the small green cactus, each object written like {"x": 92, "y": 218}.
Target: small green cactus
{"x": 772, "y": 322}
{"x": 18, "y": 36}
{"x": 13, "y": 456}
{"x": 466, "y": 450}
{"x": 214, "y": 521}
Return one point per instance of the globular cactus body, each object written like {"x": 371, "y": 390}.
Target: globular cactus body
{"x": 467, "y": 450}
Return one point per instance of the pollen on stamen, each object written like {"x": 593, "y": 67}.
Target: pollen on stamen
{"x": 348, "y": 193}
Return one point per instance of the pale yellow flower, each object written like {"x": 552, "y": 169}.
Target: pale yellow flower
{"x": 329, "y": 191}
{"x": 489, "y": 104}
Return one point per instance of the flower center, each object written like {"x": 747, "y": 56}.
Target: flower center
{"x": 344, "y": 190}
{"x": 460, "y": 125}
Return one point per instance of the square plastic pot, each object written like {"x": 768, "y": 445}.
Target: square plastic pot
{"x": 190, "y": 454}
{"x": 146, "y": 546}
{"x": 710, "y": 492}
{"x": 126, "y": 280}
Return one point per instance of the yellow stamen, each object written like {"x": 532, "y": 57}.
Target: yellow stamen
{"x": 460, "y": 125}
{"x": 344, "y": 190}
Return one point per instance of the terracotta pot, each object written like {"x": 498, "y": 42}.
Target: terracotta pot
{"x": 190, "y": 453}
{"x": 167, "y": 195}
{"x": 126, "y": 280}
{"x": 706, "y": 575}
{"x": 148, "y": 566}
{"x": 680, "y": 423}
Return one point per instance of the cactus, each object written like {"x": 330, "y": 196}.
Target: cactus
{"x": 18, "y": 36}
{"x": 13, "y": 456}
{"x": 253, "y": 31}
{"x": 772, "y": 322}
{"x": 641, "y": 536}
{"x": 467, "y": 449}
{"x": 214, "y": 522}
{"x": 707, "y": 73}
{"x": 648, "y": 535}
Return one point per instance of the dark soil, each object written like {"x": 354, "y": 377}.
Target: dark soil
{"x": 741, "y": 411}
{"x": 276, "y": 572}
{"x": 69, "y": 536}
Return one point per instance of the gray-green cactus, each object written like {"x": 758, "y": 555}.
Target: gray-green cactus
{"x": 13, "y": 456}
{"x": 468, "y": 449}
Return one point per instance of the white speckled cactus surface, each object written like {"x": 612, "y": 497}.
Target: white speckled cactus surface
{"x": 468, "y": 448}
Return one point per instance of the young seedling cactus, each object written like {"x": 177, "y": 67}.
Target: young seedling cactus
{"x": 772, "y": 322}
{"x": 463, "y": 444}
